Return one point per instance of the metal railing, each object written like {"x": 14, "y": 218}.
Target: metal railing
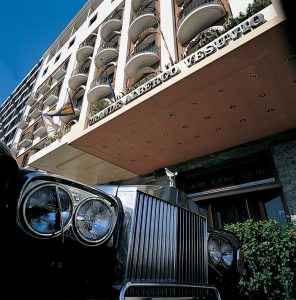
{"x": 38, "y": 106}
{"x": 91, "y": 42}
{"x": 144, "y": 48}
{"x": 102, "y": 80}
{"x": 112, "y": 45}
{"x": 116, "y": 15}
{"x": 193, "y": 5}
{"x": 38, "y": 125}
{"x": 80, "y": 71}
{"x": 27, "y": 135}
{"x": 146, "y": 10}
{"x": 24, "y": 119}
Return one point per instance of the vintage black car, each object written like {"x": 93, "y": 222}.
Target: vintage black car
{"x": 65, "y": 240}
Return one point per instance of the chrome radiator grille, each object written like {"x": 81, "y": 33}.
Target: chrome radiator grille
{"x": 168, "y": 244}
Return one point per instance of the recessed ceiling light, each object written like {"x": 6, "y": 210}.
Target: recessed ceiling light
{"x": 165, "y": 134}
{"x": 263, "y": 94}
{"x": 185, "y": 126}
{"x": 171, "y": 114}
{"x": 133, "y": 131}
{"x": 253, "y": 76}
{"x": 207, "y": 117}
{"x": 232, "y": 107}
{"x": 220, "y": 91}
{"x": 291, "y": 58}
{"x": 179, "y": 143}
{"x": 133, "y": 160}
{"x": 118, "y": 154}
{"x": 146, "y": 155}
{"x": 219, "y": 129}
{"x": 194, "y": 103}
{"x": 148, "y": 142}
{"x": 132, "y": 148}
{"x": 197, "y": 137}
{"x": 151, "y": 123}
{"x": 270, "y": 110}
{"x": 243, "y": 120}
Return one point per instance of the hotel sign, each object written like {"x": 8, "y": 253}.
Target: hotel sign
{"x": 222, "y": 41}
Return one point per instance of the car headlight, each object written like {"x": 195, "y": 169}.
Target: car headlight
{"x": 47, "y": 209}
{"x": 227, "y": 253}
{"x": 215, "y": 251}
{"x": 93, "y": 220}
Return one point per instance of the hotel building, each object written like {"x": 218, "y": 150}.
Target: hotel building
{"x": 205, "y": 88}
{"x": 13, "y": 107}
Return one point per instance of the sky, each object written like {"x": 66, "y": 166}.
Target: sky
{"x": 27, "y": 29}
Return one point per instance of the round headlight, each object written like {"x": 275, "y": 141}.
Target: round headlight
{"x": 227, "y": 254}
{"x": 215, "y": 251}
{"x": 46, "y": 209}
{"x": 93, "y": 220}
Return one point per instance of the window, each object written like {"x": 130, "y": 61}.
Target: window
{"x": 45, "y": 71}
{"x": 92, "y": 20}
{"x": 71, "y": 43}
{"x": 57, "y": 58}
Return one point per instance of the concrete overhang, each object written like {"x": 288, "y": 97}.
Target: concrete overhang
{"x": 241, "y": 93}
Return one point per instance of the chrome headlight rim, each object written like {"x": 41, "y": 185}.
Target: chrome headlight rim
{"x": 22, "y": 212}
{"x": 210, "y": 251}
{"x": 225, "y": 264}
{"x": 110, "y": 231}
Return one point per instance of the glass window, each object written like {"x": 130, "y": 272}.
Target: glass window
{"x": 275, "y": 210}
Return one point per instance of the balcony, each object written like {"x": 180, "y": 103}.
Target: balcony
{"x": 26, "y": 140}
{"x": 67, "y": 119}
{"x": 100, "y": 88}
{"x": 197, "y": 16}
{"x": 78, "y": 77}
{"x": 112, "y": 23}
{"x": 145, "y": 18}
{"x": 24, "y": 122}
{"x": 36, "y": 111}
{"x": 39, "y": 129}
{"x": 61, "y": 71}
{"x": 33, "y": 98}
{"x": 52, "y": 97}
{"x": 45, "y": 86}
{"x": 85, "y": 50}
{"x": 106, "y": 53}
{"x": 145, "y": 55}
{"x": 137, "y": 4}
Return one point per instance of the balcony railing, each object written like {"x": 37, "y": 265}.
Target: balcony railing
{"x": 26, "y": 140}
{"x": 116, "y": 15}
{"x": 193, "y": 5}
{"x": 24, "y": 122}
{"x": 53, "y": 96}
{"x": 144, "y": 48}
{"x": 146, "y": 10}
{"x": 33, "y": 98}
{"x": 39, "y": 129}
{"x": 91, "y": 42}
{"x": 102, "y": 80}
{"x": 80, "y": 71}
{"x": 111, "y": 45}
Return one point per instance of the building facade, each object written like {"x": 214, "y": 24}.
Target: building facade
{"x": 204, "y": 88}
{"x": 13, "y": 107}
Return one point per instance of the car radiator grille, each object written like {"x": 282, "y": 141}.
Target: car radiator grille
{"x": 168, "y": 244}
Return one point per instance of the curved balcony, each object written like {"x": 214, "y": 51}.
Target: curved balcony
{"x": 197, "y": 16}
{"x": 33, "y": 98}
{"x": 106, "y": 53}
{"x": 137, "y": 4}
{"x": 145, "y": 18}
{"x": 24, "y": 122}
{"x": 36, "y": 111}
{"x": 78, "y": 77}
{"x": 45, "y": 86}
{"x": 112, "y": 23}
{"x": 52, "y": 97}
{"x": 66, "y": 119}
{"x": 145, "y": 55}
{"x": 100, "y": 88}
{"x": 39, "y": 129}
{"x": 26, "y": 140}
{"x": 85, "y": 50}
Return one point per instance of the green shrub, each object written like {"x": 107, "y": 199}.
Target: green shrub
{"x": 270, "y": 259}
